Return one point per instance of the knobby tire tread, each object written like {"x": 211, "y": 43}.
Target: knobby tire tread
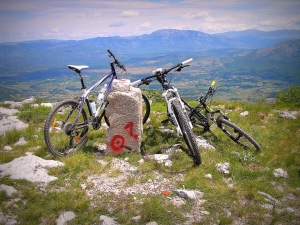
{"x": 56, "y": 109}
{"x": 187, "y": 132}
{"x": 222, "y": 120}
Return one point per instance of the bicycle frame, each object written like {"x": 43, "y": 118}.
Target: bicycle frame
{"x": 84, "y": 97}
{"x": 170, "y": 93}
{"x": 203, "y": 111}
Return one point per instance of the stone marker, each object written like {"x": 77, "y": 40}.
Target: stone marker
{"x": 124, "y": 113}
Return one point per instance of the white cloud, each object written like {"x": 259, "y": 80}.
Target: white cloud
{"x": 95, "y": 15}
{"x": 198, "y": 15}
{"x": 128, "y": 14}
{"x": 56, "y": 30}
{"x": 82, "y": 15}
{"x": 145, "y": 25}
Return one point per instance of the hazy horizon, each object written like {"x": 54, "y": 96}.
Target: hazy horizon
{"x": 78, "y": 20}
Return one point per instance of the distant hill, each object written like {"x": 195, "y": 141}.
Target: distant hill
{"x": 281, "y": 51}
{"x": 281, "y": 61}
{"x": 236, "y": 57}
{"x": 47, "y": 54}
{"x": 261, "y": 39}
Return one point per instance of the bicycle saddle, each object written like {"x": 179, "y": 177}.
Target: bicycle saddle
{"x": 77, "y": 69}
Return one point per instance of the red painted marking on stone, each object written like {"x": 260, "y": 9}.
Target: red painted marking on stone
{"x": 130, "y": 127}
{"x": 117, "y": 143}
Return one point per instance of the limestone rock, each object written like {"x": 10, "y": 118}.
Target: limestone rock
{"x": 124, "y": 113}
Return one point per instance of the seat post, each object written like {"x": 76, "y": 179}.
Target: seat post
{"x": 81, "y": 81}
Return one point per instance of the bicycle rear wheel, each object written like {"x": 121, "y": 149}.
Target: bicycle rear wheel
{"x": 61, "y": 136}
{"x": 187, "y": 133}
{"x": 145, "y": 110}
{"x": 236, "y": 134}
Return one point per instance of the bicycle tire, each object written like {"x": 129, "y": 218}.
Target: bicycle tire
{"x": 145, "y": 110}
{"x": 237, "y": 134}
{"x": 60, "y": 138}
{"x": 187, "y": 132}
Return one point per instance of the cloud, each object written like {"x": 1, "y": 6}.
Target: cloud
{"x": 82, "y": 15}
{"x": 117, "y": 24}
{"x": 198, "y": 15}
{"x": 56, "y": 30}
{"x": 145, "y": 25}
{"x": 97, "y": 15}
{"x": 128, "y": 14}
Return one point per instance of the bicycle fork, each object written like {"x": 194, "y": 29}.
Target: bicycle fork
{"x": 168, "y": 99}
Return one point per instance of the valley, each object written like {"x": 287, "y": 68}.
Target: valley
{"x": 245, "y": 71}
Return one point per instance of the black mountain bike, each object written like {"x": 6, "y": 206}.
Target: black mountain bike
{"x": 176, "y": 110}
{"x": 203, "y": 116}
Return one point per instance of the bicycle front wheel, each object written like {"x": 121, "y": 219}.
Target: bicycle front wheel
{"x": 237, "y": 134}
{"x": 187, "y": 132}
{"x": 62, "y": 136}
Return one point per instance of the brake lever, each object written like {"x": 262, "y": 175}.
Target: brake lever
{"x": 181, "y": 67}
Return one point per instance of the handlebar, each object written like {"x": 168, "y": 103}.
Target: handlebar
{"x": 166, "y": 71}
{"x": 202, "y": 99}
{"x": 117, "y": 62}
{"x": 161, "y": 72}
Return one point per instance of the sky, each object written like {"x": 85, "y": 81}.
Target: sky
{"x": 23, "y": 20}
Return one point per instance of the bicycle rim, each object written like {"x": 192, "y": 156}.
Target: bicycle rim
{"x": 238, "y": 135}
{"x": 61, "y": 137}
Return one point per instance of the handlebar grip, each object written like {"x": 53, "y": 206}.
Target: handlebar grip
{"x": 187, "y": 61}
{"x": 110, "y": 53}
{"x": 157, "y": 70}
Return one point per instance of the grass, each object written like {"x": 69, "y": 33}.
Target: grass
{"x": 229, "y": 198}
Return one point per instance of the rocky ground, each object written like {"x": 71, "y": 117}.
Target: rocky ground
{"x": 35, "y": 169}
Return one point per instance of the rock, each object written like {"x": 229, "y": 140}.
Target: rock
{"x": 10, "y": 122}
{"x": 187, "y": 194}
{"x": 208, "y": 176}
{"x": 124, "y": 113}
{"x": 269, "y": 207}
{"x": 286, "y": 115}
{"x": 168, "y": 163}
{"x": 166, "y": 130}
{"x": 7, "y": 148}
{"x": 8, "y": 189}
{"x": 21, "y": 141}
{"x": 107, "y": 220}
{"x": 29, "y": 100}
{"x": 246, "y": 113}
{"x": 47, "y": 105}
{"x": 223, "y": 168}
{"x": 141, "y": 161}
{"x": 269, "y": 198}
{"x": 280, "y": 173}
{"x": 177, "y": 201}
{"x": 29, "y": 167}
{"x": 136, "y": 219}
{"x": 203, "y": 143}
{"x": 152, "y": 223}
{"x": 65, "y": 217}
{"x": 7, "y": 219}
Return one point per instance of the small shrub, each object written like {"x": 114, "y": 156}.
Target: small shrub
{"x": 292, "y": 95}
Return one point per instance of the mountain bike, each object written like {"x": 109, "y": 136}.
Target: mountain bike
{"x": 175, "y": 107}
{"x": 67, "y": 124}
{"x": 204, "y": 116}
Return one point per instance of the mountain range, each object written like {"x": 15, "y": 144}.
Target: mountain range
{"x": 267, "y": 55}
